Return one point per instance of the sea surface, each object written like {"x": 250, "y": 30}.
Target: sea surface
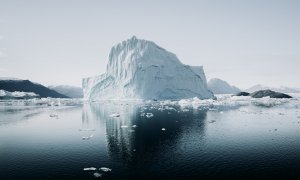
{"x": 228, "y": 138}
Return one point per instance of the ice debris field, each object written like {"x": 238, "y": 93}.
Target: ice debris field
{"x": 225, "y": 102}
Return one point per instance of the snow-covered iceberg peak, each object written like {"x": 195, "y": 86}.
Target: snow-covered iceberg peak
{"x": 140, "y": 69}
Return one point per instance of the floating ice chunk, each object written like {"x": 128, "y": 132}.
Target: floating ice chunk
{"x": 85, "y": 137}
{"x": 149, "y": 115}
{"x": 115, "y": 115}
{"x": 135, "y": 126}
{"x": 89, "y": 169}
{"x": 92, "y": 135}
{"x": 185, "y": 110}
{"x": 97, "y": 175}
{"x": 86, "y": 129}
{"x": 124, "y": 126}
{"x": 53, "y": 115}
{"x": 163, "y": 129}
{"x": 131, "y": 130}
{"x": 143, "y": 114}
{"x": 105, "y": 169}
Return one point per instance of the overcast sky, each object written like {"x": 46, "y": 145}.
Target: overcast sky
{"x": 243, "y": 42}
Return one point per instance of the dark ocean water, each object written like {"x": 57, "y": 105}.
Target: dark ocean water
{"x": 247, "y": 142}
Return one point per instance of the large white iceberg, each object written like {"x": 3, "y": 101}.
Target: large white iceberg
{"x": 140, "y": 69}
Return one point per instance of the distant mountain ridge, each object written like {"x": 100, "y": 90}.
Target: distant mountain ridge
{"x": 12, "y": 85}
{"x": 70, "y": 91}
{"x": 218, "y": 86}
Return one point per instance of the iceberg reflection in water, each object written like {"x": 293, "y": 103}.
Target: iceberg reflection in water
{"x": 188, "y": 139}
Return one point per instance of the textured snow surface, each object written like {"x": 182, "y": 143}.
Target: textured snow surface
{"x": 139, "y": 69}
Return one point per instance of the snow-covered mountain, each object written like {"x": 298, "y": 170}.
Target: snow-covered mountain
{"x": 218, "y": 86}
{"x": 19, "y": 85}
{"x": 70, "y": 91}
{"x": 140, "y": 69}
{"x": 282, "y": 89}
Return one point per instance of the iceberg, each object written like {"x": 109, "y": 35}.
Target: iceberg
{"x": 140, "y": 69}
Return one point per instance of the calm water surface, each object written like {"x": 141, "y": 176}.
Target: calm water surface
{"x": 58, "y": 142}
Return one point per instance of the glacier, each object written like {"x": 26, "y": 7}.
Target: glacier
{"x": 140, "y": 69}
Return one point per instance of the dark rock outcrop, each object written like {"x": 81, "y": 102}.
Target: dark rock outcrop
{"x": 243, "y": 94}
{"x": 271, "y": 94}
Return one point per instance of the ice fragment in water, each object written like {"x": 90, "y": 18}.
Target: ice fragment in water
{"x": 53, "y": 115}
{"x": 97, "y": 175}
{"x": 163, "y": 129}
{"x": 134, "y": 126}
{"x": 85, "y": 138}
{"x": 89, "y": 169}
{"x": 86, "y": 129}
{"x": 124, "y": 126}
{"x": 149, "y": 115}
{"x": 105, "y": 169}
{"x": 115, "y": 115}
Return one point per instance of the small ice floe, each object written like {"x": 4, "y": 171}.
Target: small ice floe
{"x": 53, "y": 115}
{"x": 90, "y": 169}
{"x": 86, "y": 129}
{"x": 134, "y": 126}
{"x": 92, "y": 135}
{"x": 85, "y": 137}
{"x": 124, "y": 126}
{"x": 185, "y": 110}
{"x": 131, "y": 130}
{"x": 143, "y": 114}
{"x": 163, "y": 129}
{"x": 149, "y": 115}
{"x": 212, "y": 121}
{"x": 105, "y": 169}
{"x": 114, "y": 115}
{"x": 97, "y": 175}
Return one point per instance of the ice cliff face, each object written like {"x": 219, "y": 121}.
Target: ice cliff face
{"x": 139, "y": 69}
